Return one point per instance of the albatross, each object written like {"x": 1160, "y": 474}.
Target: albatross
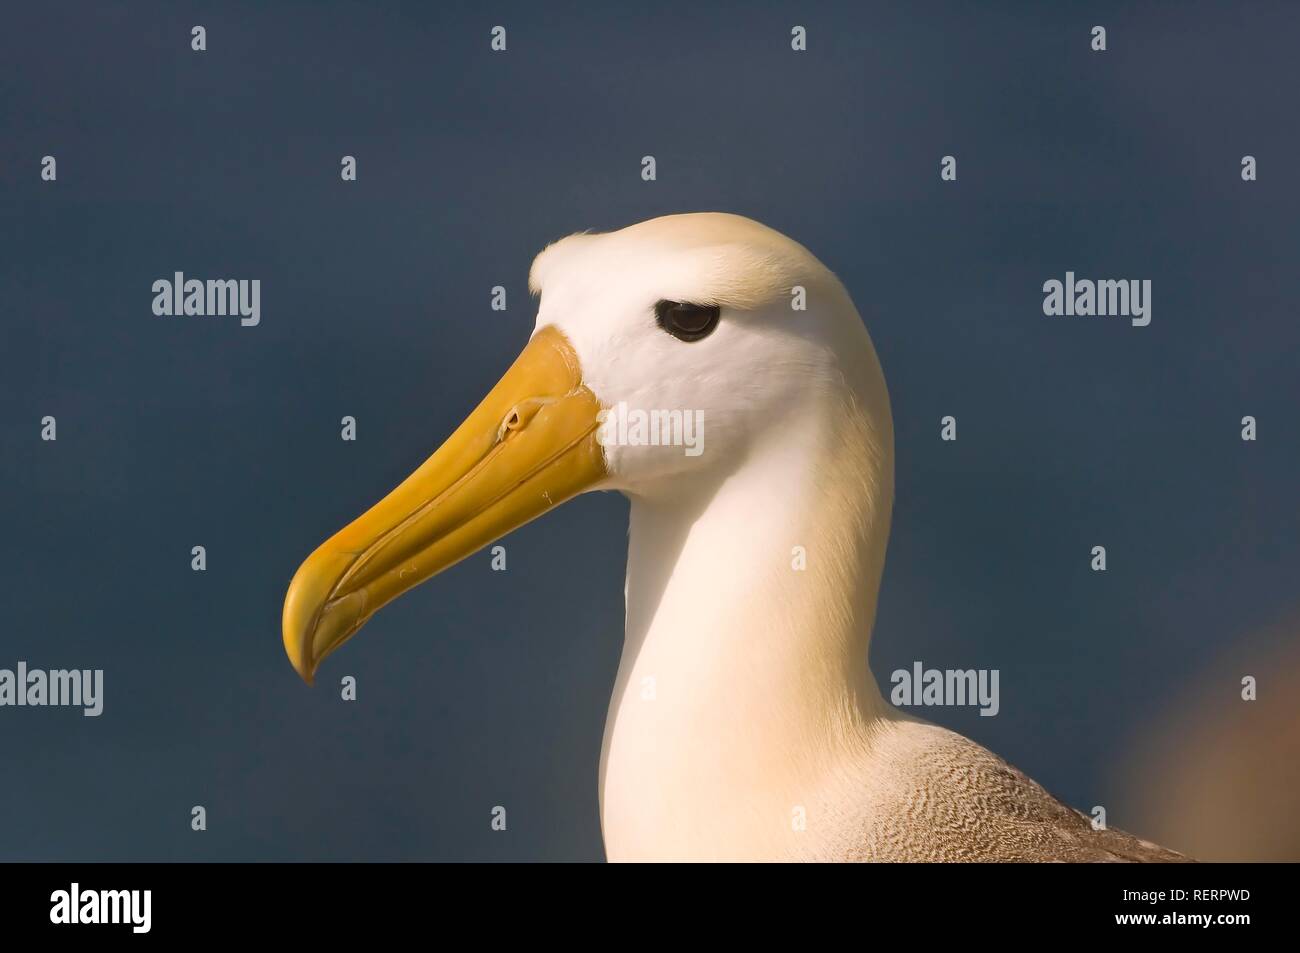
{"x": 744, "y": 723}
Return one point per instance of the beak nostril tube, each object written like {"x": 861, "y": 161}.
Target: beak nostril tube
{"x": 521, "y": 414}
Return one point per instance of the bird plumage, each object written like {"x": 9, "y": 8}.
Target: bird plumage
{"x": 934, "y": 795}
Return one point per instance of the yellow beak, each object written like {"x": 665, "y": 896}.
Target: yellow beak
{"x": 530, "y": 445}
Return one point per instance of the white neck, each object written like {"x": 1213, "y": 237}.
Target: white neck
{"x": 744, "y": 680}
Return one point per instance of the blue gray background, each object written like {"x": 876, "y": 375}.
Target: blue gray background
{"x": 485, "y": 688}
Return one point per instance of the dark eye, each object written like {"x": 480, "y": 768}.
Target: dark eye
{"x": 685, "y": 321}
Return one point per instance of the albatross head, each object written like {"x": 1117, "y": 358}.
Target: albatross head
{"x": 666, "y": 355}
